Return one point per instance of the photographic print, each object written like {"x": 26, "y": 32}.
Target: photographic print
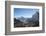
{"x": 26, "y": 17}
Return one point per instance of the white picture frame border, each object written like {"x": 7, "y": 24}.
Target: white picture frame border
{"x": 26, "y": 28}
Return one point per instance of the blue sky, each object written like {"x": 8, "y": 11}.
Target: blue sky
{"x": 25, "y": 12}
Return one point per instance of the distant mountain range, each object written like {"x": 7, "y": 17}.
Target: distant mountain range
{"x": 27, "y": 22}
{"x": 35, "y": 17}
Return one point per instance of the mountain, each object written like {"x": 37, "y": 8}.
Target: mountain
{"x": 21, "y": 18}
{"x": 35, "y": 17}
{"x": 22, "y": 22}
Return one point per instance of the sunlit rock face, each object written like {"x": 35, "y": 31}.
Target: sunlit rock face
{"x": 35, "y": 17}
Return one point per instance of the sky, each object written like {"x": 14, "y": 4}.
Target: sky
{"x": 25, "y": 12}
